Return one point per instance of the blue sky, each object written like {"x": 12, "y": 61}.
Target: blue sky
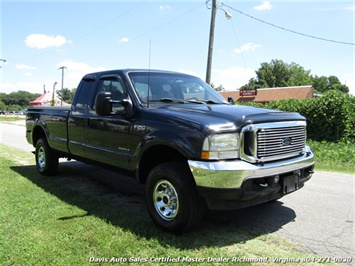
{"x": 38, "y": 37}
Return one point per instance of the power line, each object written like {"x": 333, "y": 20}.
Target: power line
{"x": 146, "y": 33}
{"x": 285, "y": 29}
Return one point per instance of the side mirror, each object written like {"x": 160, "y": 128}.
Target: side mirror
{"x": 231, "y": 100}
{"x": 103, "y": 103}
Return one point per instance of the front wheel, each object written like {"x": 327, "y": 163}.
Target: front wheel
{"x": 172, "y": 198}
{"x": 46, "y": 158}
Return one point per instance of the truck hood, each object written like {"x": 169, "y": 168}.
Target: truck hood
{"x": 211, "y": 115}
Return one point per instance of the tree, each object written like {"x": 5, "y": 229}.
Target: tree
{"x": 220, "y": 88}
{"x": 298, "y": 75}
{"x": 252, "y": 85}
{"x": 2, "y": 106}
{"x": 280, "y": 74}
{"x": 20, "y": 98}
{"x": 67, "y": 95}
{"x": 273, "y": 74}
{"x": 323, "y": 84}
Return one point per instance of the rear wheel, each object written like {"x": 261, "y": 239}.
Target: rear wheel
{"x": 46, "y": 158}
{"x": 172, "y": 198}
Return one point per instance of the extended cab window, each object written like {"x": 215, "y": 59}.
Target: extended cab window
{"x": 84, "y": 94}
{"x": 118, "y": 93}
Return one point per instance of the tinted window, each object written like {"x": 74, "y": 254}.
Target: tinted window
{"x": 83, "y": 94}
{"x": 158, "y": 86}
{"x": 118, "y": 93}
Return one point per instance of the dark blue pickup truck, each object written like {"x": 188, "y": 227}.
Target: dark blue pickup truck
{"x": 175, "y": 134}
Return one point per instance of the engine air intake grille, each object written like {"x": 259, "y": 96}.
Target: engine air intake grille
{"x": 272, "y": 141}
{"x": 278, "y": 143}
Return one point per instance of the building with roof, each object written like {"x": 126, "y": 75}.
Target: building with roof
{"x": 266, "y": 95}
{"x": 46, "y": 100}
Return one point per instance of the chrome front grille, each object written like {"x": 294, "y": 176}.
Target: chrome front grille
{"x": 273, "y": 141}
{"x": 278, "y": 143}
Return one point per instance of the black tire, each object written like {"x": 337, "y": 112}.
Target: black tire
{"x": 172, "y": 198}
{"x": 46, "y": 158}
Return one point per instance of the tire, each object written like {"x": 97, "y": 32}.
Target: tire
{"x": 172, "y": 198}
{"x": 46, "y": 158}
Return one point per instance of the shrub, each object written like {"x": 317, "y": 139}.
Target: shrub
{"x": 329, "y": 118}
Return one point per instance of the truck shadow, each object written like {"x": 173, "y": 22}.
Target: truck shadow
{"x": 119, "y": 200}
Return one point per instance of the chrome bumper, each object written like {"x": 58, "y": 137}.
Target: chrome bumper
{"x": 231, "y": 174}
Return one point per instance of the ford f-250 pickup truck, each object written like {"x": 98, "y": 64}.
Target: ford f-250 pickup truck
{"x": 178, "y": 136}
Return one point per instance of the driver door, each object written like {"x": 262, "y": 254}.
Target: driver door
{"x": 108, "y": 138}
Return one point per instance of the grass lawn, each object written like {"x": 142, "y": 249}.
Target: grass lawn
{"x": 11, "y": 118}
{"x": 63, "y": 221}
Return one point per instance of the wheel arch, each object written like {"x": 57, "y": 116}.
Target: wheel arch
{"x": 38, "y": 132}
{"x": 155, "y": 155}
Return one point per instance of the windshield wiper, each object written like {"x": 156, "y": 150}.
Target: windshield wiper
{"x": 205, "y": 102}
{"x": 168, "y": 100}
{"x": 195, "y": 101}
{"x": 174, "y": 100}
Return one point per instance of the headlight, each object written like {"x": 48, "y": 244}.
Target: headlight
{"x": 221, "y": 146}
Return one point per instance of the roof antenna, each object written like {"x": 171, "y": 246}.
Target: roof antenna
{"x": 150, "y": 48}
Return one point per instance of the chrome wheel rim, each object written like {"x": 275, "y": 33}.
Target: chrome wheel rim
{"x": 166, "y": 201}
{"x": 41, "y": 158}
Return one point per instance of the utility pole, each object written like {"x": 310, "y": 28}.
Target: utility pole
{"x": 210, "y": 45}
{"x": 53, "y": 96}
{"x": 62, "y": 68}
{"x": 3, "y": 61}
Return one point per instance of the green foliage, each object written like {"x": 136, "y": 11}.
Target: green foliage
{"x": 66, "y": 95}
{"x": 335, "y": 153}
{"x": 329, "y": 118}
{"x": 19, "y": 98}
{"x": 2, "y": 105}
{"x": 16, "y": 101}
{"x": 220, "y": 88}
{"x": 280, "y": 74}
{"x": 323, "y": 84}
{"x": 332, "y": 156}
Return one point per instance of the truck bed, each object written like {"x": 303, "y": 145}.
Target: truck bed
{"x": 55, "y": 123}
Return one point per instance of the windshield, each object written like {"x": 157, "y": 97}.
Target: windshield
{"x": 172, "y": 87}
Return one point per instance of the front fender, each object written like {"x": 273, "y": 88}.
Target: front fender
{"x": 178, "y": 142}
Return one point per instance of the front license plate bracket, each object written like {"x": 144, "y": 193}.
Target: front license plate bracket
{"x": 290, "y": 183}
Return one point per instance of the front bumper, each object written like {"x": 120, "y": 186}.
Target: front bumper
{"x": 239, "y": 181}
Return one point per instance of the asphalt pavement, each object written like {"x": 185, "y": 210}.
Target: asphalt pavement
{"x": 319, "y": 218}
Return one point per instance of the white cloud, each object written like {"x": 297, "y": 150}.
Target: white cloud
{"x": 25, "y": 67}
{"x": 28, "y": 74}
{"x": 165, "y": 8}
{"x": 125, "y": 39}
{"x": 232, "y": 78}
{"x": 41, "y": 41}
{"x": 247, "y": 47}
{"x": 264, "y": 6}
{"x": 72, "y": 76}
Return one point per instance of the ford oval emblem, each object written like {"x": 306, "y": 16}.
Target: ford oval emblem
{"x": 286, "y": 142}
